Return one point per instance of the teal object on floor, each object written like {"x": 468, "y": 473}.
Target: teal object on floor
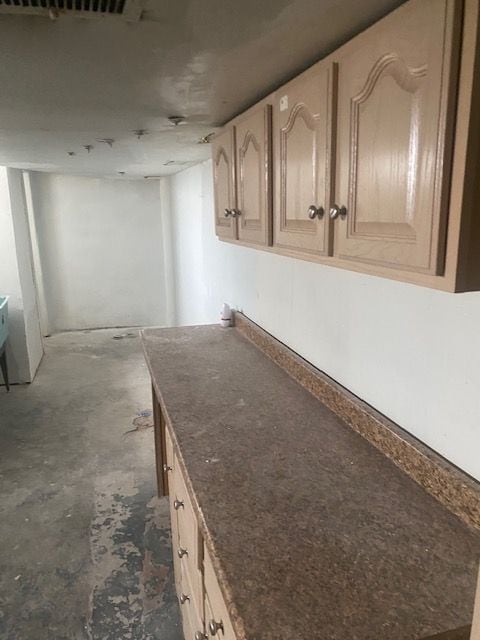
{"x": 3, "y": 319}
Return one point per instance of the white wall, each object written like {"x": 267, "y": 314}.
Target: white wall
{"x": 411, "y": 352}
{"x": 100, "y": 248}
{"x": 25, "y": 348}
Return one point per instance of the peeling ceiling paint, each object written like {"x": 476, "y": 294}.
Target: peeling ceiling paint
{"x": 70, "y": 82}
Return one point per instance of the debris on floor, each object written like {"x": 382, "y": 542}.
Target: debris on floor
{"x": 141, "y": 422}
{"x": 85, "y": 552}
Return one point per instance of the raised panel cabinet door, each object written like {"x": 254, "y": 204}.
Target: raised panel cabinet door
{"x": 224, "y": 183}
{"x": 302, "y": 152}
{"x": 395, "y": 90}
{"x": 253, "y": 160}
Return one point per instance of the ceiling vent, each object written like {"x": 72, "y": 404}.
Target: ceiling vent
{"x": 130, "y": 10}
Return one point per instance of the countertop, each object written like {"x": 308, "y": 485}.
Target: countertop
{"x": 315, "y": 534}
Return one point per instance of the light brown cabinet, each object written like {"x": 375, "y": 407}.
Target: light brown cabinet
{"x": 216, "y": 614}
{"x": 202, "y": 607}
{"x": 224, "y": 183}
{"x": 393, "y": 145}
{"x": 242, "y": 168}
{"x": 302, "y": 152}
{"x": 475, "y": 635}
{"x": 375, "y": 152}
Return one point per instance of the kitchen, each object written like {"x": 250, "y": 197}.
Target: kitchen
{"x": 315, "y": 461}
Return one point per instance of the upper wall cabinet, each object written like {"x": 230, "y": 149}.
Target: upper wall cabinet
{"x": 242, "y": 178}
{"x": 393, "y": 146}
{"x": 375, "y": 153}
{"x": 253, "y": 162}
{"x": 224, "y": 183}
{"x": 302, "y": 148}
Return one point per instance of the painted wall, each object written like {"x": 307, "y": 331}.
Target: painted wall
{"x": 410, "y": 352}
{"x": 100, "y": 247}
{"x": 25, "y": 347}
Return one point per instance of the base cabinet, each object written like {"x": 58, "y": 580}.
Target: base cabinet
{"x": 217, "y": 620}
{"x": 203, "y": 610}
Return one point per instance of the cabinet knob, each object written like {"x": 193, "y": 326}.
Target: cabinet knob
{"x": 182, "y": 552}
{"x": 235, "y": 213}
{"x": 227, "y": 213}
{"x": 177, "y": 504}
{"x": 336, "y": 211}
{"x": 184, "y": 598}
{"x": 213, "y": 627}
{"x": 166, "y": 468}
{"x": 315, "y": 212}
{"x": 199, "y": 635}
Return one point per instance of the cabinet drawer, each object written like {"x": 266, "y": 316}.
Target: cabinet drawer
{"x": 190, "y": 621}
{"x": 169, "y": 455}
{"x": 192, "y": 616}
{"x": 189, "y": 547}
{"x": 217, "y": 620}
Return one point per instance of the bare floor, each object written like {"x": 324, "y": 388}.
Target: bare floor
{"x": 84, "y": 543}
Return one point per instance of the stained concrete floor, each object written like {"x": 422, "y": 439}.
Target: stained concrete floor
{"x": 84, "y": 543}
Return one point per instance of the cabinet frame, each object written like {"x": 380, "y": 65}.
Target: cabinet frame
{"x": 461, "y": 271}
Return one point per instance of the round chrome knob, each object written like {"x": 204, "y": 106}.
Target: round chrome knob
{"x": 166, "y": 468}
{"x": 315, "y": 212}
{"x": 199, "y": 635}
{"x": 177, "y": 504}
{"x": 336, "y": 211}
{"x": 227, "y": 213}
{"x": 235, "y": 213}
{"x": 182, "y": 552}
{"x": 213, "y": 627}
{"x": 183, "y": 598}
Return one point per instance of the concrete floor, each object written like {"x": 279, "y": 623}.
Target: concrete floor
{"x": 84, "y": 544}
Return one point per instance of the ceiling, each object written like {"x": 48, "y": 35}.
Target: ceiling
{"x": 70, "y": 82}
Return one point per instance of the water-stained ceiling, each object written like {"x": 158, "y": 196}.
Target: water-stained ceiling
{"x": 71, "y": 83}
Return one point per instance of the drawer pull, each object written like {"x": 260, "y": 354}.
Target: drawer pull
{"x": 315, "y": 212}
{"x": 177, "y": 504}
{"x": 182, "y": 552}
{"x": 213, "y": 627}
{"x": 184, "y": 598}
{"x": 199, "y": 635}
{"x": 166, "y": 468}
{"x": 336, "y": 211}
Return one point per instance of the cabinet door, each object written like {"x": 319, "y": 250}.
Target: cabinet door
{"x": 302, "y": 130}
{"x": 395, "y": 85}
{"x": 217, "y": 619}
{"x": 224, "y": 183}
{"x": 253, "y": 158}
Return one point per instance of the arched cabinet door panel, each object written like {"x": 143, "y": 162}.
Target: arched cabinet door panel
{"x": 224, "y": 183}
{"x": 253, "y": 163}
{"x": 395, "y": 88}
{"x": 303, "y": 161}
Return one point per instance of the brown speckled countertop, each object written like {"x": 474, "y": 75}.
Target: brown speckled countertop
{"x": 315, "y": 534}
